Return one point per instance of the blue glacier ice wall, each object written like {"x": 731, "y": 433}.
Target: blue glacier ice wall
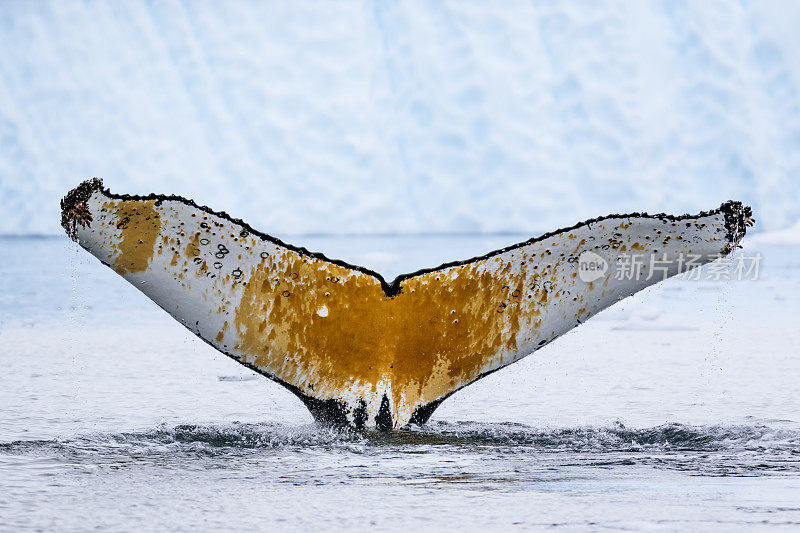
{"x": 412, "y": 117}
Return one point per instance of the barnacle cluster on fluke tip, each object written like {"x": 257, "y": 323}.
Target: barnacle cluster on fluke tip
{"x": 74, "y": 211}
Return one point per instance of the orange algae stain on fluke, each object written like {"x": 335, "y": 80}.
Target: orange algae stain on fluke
{"x": 438, "y": 333}
{"x": 140, "y": 226}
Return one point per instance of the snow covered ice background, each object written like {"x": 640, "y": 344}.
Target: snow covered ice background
{"x": 384, "y": 117}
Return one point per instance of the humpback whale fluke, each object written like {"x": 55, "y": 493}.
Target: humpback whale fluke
{"x": 361, "y": 351}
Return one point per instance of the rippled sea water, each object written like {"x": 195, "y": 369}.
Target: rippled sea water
{"x": 675, "y": 410}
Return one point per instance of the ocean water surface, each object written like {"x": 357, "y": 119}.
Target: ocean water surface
{"x": 677, "y": 409}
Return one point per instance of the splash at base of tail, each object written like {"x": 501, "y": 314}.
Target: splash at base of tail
{"x": 361, "y": 351}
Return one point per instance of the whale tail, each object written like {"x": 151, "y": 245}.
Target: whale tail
{"x": 364, "y": 352}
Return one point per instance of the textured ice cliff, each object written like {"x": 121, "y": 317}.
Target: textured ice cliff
{"x": 374, "y": 117}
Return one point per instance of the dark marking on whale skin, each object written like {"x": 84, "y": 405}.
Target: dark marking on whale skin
{"x": 331, "y": 412}
{"x": 422, "y": 413}
{"x": 360, "y": 414}
{"x": 383, "y": 421}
